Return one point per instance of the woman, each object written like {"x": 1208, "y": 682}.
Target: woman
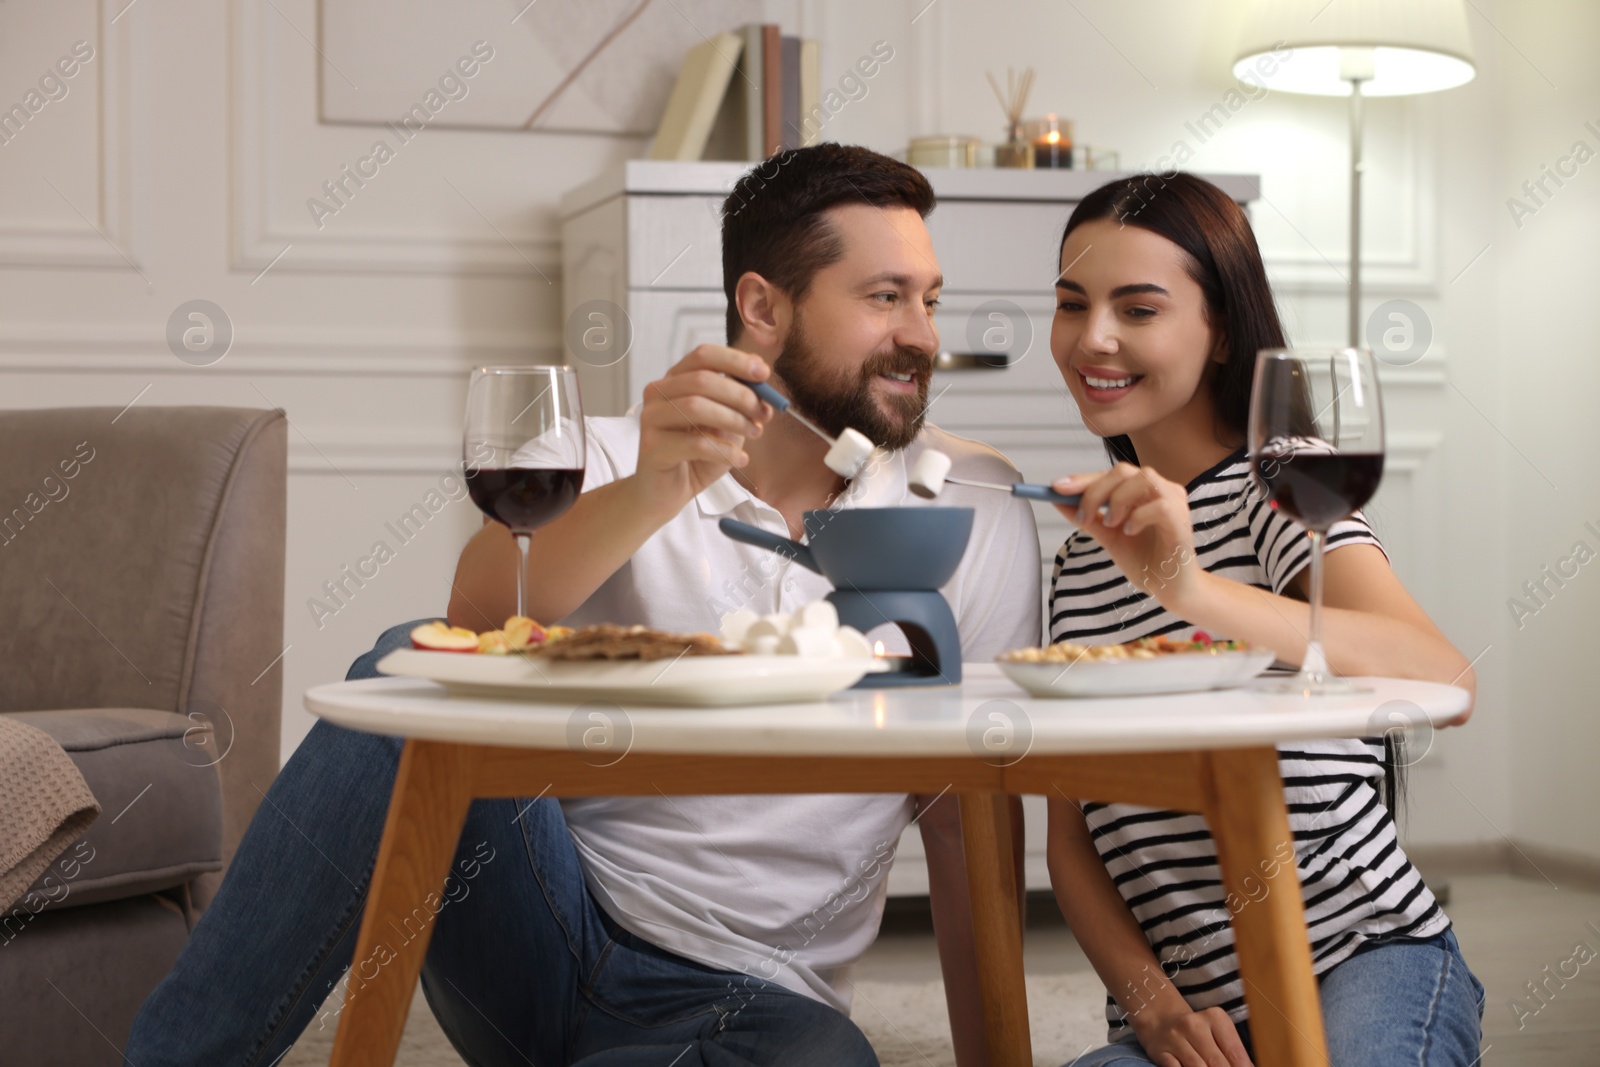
{"x": 1162, "y": 305}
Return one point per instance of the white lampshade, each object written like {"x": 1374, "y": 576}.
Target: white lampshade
{"x": 1396, "y": 47}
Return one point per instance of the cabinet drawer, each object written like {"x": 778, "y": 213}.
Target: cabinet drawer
{"x": 995, "y": 366}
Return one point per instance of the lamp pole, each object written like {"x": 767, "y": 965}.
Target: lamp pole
{"x": 1356, "y": 65}
{"x": 1355, "y": 212}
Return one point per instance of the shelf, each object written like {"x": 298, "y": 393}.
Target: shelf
{"x": 669, "y": 177}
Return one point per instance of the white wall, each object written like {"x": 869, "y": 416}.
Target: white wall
{"x": 191, "y": 141}
{"x": 1548, "y": 379}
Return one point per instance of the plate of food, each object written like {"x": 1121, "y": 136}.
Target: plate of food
{"x": 1134, "y": 668}
{"x": 633, "y": 664}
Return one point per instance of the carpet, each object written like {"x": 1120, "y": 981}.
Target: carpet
{"x": 905, "y": 1022}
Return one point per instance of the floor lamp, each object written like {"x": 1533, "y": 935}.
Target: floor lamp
{"x": 1355, "y": 48}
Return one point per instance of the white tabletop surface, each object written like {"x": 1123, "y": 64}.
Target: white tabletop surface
{"x": 933, "y": 721}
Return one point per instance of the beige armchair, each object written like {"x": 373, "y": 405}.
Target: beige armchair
{"x": 141, "y": 622}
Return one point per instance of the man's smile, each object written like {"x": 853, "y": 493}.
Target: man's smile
{"x": 904, "y": 382}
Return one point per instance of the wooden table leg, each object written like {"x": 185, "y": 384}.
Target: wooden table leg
{"x": 996, "y": 927}
{"x": 431, "y": 794}
{"x": 1245, "y": 809}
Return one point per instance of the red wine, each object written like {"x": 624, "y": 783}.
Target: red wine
{"x": 524, "y": 498}
{"x": 1320, "y": 488}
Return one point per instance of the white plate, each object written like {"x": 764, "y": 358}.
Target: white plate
{"x": 699, "y": 681}
{"x": 1177, "y": 672}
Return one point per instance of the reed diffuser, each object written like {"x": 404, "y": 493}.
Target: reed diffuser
{"x": 1016, "y": 151}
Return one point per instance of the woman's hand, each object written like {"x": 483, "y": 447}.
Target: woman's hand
{"x": 1146, "y": 530}
{"x": 1182, "y": 1037}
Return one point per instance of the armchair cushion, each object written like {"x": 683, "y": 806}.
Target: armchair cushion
{"x": 160, "y": 824}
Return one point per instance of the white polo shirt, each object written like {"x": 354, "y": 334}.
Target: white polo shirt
{"x": 787, "y": 888}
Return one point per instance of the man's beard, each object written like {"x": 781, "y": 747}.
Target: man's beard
{"x": 846, "y": 399}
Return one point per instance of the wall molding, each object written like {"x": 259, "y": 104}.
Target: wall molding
{"x": 117, "y": 47}
{"x": 285, "y": 351}
{"x": 1405, "y": 451}
{"x": 258, "y": 236}
{"x": 339, "y": 451}
{"x": 1413, "y": 271}
{"x": 1429, "y": 372}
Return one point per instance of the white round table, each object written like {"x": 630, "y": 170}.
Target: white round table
{"x": 1211, "y": 753}
{"x": 932, "y": 720}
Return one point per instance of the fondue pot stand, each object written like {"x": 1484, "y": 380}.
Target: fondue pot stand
{"x": 886, "y": 565}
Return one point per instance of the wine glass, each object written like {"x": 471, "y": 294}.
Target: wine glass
{"x": 523, "y": 449}
{"x": 1316, "y": 449}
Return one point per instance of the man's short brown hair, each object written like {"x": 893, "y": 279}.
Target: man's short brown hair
{"x": 773, "y": 222}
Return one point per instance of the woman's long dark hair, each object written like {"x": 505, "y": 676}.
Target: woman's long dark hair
{"x": 1225, "y": 261}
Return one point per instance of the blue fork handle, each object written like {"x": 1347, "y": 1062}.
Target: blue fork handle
{"x": 766, "y": 392}
{"x": 1044, "y": 493}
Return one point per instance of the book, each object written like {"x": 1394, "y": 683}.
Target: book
{"x": 789, "y": 132}
{"x": 770, "y": 98}
{"x": 771, "y": 90}
{"x": 737, "y": 133}
{"x": 692, "y": 109}
{"x": 810, "y": 92}
{"x": 747, "y": 95}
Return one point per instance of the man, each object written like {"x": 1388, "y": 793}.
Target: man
{"x": 623, "y": 930}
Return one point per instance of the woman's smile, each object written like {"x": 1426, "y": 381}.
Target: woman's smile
{"x": 1107, "y": 385}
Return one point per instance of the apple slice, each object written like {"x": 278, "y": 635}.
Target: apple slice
{"x": 494, "y": 643}
{"x": 441, "y": 637}
{"x": 522, "y": 631}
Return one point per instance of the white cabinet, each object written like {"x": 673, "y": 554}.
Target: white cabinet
{"x": 642, "y": 285}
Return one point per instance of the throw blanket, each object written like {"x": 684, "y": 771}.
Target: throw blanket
{"x": 44, "y": 805}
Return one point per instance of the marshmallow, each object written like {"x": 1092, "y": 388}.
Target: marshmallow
{"x": 735, "y": 625}
{"x": 848, "y": 453}
{"x": 817, "y": 615}
{"x": 927, "y": 477}
{"x": 767, "y": 626}
{"x": 853, "y": 644}
{"x": 808, "y": 641}
{"x": 812, "y": 631}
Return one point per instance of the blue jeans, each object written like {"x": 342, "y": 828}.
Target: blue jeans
{"x": 1396, "y": 1002}
{"x": 522, "y": 968}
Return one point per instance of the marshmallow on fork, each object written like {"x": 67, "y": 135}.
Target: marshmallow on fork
{"x": 846, "y": 453}
{"x": 932, "y": 471}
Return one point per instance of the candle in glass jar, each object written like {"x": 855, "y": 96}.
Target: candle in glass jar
{"x": 1051, "y": 138}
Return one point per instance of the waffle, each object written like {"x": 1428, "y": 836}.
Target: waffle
{"x": 609, "y": 641}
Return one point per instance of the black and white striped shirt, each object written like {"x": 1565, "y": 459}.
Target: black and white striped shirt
{"x": 1357, "y": 883}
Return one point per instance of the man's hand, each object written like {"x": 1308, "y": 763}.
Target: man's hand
{"x": 694, "y": 423}
{"x": 1181, "y": 1037}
